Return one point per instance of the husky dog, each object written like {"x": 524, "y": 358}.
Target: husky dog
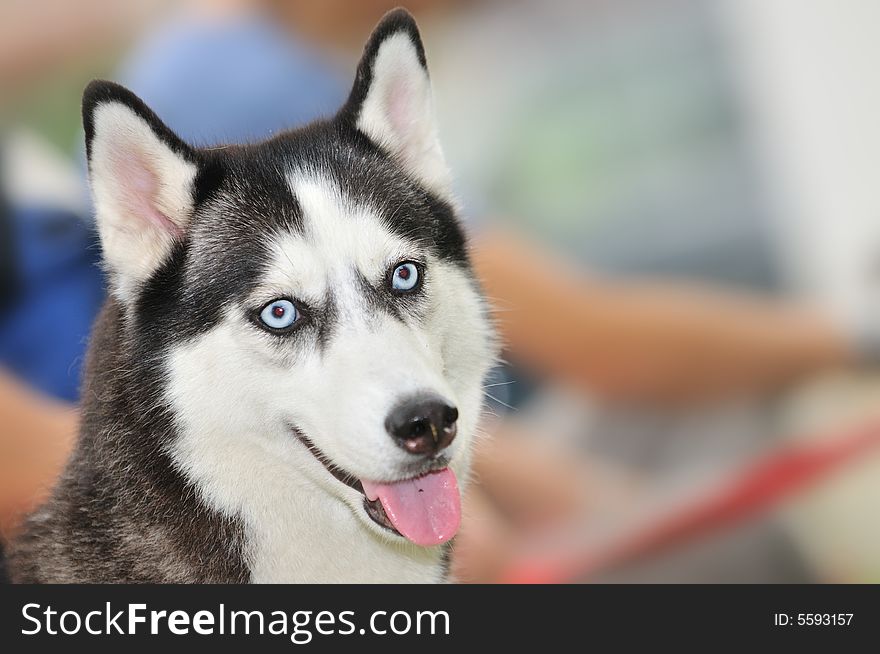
{"x": 286, "y": 380}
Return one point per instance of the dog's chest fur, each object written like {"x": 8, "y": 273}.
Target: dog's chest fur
{"x": 293, "y": 546}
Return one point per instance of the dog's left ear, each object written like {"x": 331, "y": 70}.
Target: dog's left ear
{"x": 391, "y": 100}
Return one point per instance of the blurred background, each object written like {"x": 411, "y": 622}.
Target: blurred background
{"x": 675, "y": 213}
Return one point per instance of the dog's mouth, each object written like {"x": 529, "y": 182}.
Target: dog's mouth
{"x": 424, "y": 508}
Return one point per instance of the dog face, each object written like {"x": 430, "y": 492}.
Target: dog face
{"x": 308, "y": 300}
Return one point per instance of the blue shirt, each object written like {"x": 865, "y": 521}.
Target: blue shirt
{"x": 55, "y": 292}
{"x": 230, "y": 81}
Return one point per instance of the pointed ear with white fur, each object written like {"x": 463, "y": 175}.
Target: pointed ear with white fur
{"x": 142, "y": 178}
{"x": 391, "y": 101}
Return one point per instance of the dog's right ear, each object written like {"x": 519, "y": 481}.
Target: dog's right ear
{"x": 143, "y": 183}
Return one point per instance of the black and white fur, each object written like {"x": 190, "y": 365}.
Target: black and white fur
{"x": 188, "y": 467}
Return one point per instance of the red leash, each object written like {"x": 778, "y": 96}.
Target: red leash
{"x": 754, "y": 489}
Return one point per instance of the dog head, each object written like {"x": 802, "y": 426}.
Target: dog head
{"x": 309, "y": 298}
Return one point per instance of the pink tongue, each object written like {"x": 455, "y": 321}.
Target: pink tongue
{"x": 426, "y": 510}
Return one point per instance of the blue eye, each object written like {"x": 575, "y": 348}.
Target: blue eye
{"x": 279, "y": 314}
{"x": 405, "y": 277}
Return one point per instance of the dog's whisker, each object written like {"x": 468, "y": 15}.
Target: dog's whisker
{"x": 501, "y": 402}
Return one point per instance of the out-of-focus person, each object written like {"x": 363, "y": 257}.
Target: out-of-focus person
{"x": 633, "y": 252}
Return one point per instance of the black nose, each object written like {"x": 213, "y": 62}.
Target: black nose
{"x": 423, "y": 425}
